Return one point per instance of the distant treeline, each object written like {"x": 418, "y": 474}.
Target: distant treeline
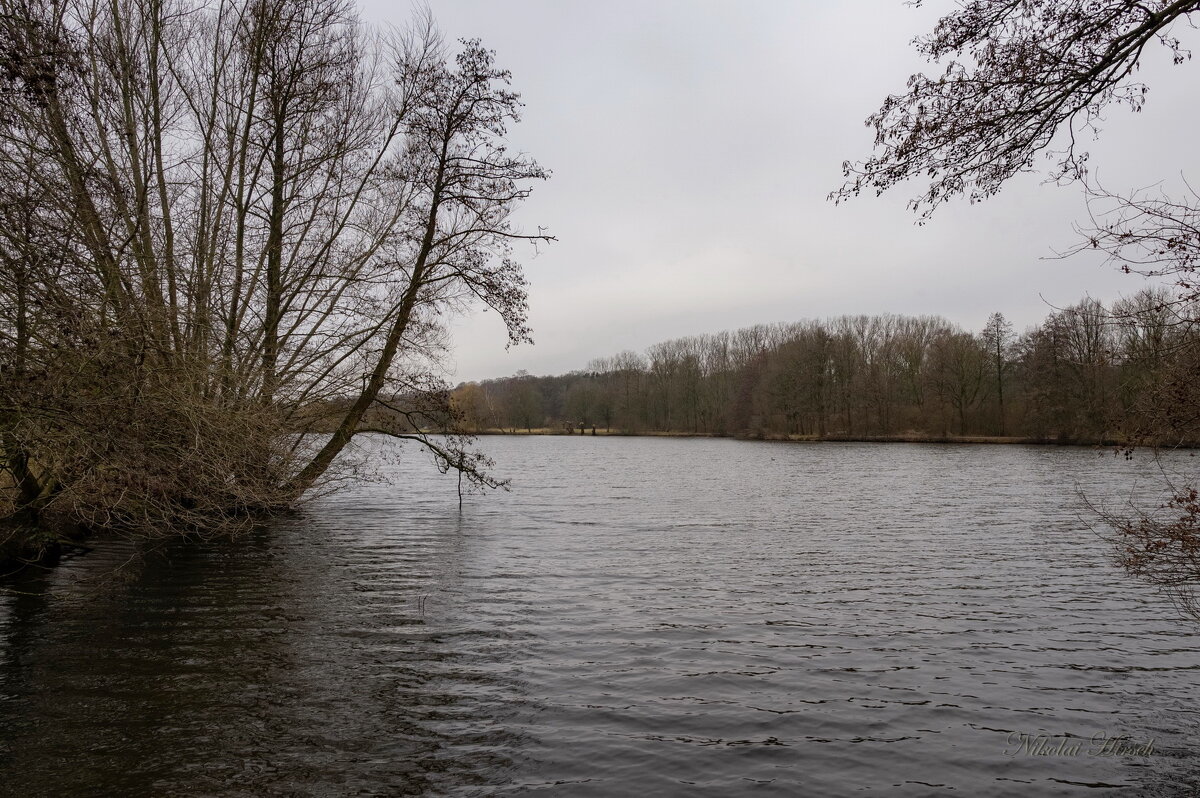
{"x": 1088, "y": 373}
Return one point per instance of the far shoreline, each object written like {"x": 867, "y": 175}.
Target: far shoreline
{"x": 909, "y": 437}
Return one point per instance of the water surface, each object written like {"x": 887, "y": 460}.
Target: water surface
{"x": 637, "y": 616}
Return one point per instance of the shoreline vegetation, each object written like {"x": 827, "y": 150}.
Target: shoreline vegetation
{"x": 1090, "y": 374}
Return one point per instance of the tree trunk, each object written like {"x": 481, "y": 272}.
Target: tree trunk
{"x": 349, "y": 424}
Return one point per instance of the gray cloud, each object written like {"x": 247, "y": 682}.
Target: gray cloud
{"x": 693, "y": 145}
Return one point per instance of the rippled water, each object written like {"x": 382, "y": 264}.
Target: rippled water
{"x": 637, "y": 617}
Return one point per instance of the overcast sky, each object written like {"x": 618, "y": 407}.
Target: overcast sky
{"x": 693, "y": 144}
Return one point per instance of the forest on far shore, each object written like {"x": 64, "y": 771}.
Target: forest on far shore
{"x": 1088, "y": 373}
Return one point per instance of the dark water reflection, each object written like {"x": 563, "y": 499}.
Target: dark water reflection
{"x": 637, "y": 616}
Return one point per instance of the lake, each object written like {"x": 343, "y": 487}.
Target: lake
{"x": 637, "y": 616}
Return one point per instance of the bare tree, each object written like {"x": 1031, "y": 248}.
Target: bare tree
{"x": 1016, "y": 74}
{"x": 261, "y": 212}
{"x": 958, "y": 368}
{"x": 997, "y": 337}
